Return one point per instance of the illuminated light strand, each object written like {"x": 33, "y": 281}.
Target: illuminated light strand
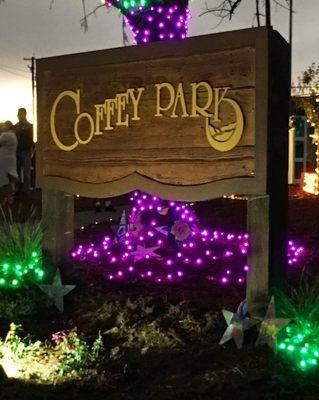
{"x": 310, "y": 183}
{"x": 311, "y": 106}
{"x": 14, "y": 274}
{"x": 154, "y": 21}
{"x": 184, "y": 249}
{"x": 300, "y": 343}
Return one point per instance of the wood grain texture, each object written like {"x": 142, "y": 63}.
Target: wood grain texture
{"x": 170, "y": 151}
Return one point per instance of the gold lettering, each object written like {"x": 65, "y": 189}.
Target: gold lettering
{"x": 227, "y": 137}
{"x": 171, "y": 91}
{"x": 75, "y": 96}
{"x": 122, "y": 100}
{"x": 76, "y": 128}
{"x": 217, "y": 101}
{"x": 196, "y": 109}
{"x": 100, "y": 110}
{"x": 136, "y": 101}
{"x": 109, "y": 112}
{"x": 180, "y": 99}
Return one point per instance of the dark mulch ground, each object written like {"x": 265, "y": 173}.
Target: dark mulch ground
{"x": 200, "y": 373}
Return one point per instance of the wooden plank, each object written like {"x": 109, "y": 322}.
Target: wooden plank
{"x": 173, "y": 151}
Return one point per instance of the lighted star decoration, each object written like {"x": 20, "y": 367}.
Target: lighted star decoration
{"x": 162, "y": 229}
{"x": 56, "y": 291}
{"x": 142, "y": 253}
{"x": 122, "y": 228}
{"x": 270, "y": 326}
{"x": 236, "y": 326}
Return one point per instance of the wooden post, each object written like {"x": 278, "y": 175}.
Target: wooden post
{"x": 258, "y": 259}
{"x": 267, "y": 214}
{"x": 58, "y": 222}
{"x": 267, "y": 225}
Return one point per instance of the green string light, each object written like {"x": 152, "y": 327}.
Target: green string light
{"x": 128, "y": 5}
{"x": 14, "y": 274}
{"x": 300, "y": 343}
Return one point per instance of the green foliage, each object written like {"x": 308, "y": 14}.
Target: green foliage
{"x": 310, "y": 76}
{"x": 72, "y": 359}
{"x": 299, "y": 342}
{"x": 302, "y": 304}
{"x": 20, "y": 250}
{"x": 76, "y": 354}
{"x": 20, "y": 348}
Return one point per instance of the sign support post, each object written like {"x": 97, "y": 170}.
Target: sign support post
{"x": 58, "y": 222}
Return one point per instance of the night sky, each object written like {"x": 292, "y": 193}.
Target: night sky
{"x": 29, "y": 27}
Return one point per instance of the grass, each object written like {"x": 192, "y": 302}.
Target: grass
{"x": 18, "y": 240}
{"x": 20, "y": 250}
{"x": 298, "y": 343}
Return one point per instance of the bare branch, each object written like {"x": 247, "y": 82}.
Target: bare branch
{"x": 84, "y": 20}
{"x": 258, "y": 12}
{"x": 225, "y": 9}
{"x": 281, "y": 4}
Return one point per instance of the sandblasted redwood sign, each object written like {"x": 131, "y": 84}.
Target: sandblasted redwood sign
{"x": 187, "y": 120}
{"x": 165, "y": 117}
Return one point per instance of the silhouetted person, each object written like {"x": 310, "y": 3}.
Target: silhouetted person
{"x": 8, "y": 162}
{"x": 24, "y": 132}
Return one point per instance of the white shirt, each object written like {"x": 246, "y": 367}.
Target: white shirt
{"x": 8, "y": 158}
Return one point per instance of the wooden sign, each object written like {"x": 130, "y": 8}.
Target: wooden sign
{"x": 188, "y": 120}
{"x": 167, "y": 114}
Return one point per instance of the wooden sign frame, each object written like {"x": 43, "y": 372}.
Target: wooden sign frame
{"x": 266, "y": 188}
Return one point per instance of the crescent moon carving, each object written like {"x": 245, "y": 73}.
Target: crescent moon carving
{"x": 227, "y": 137}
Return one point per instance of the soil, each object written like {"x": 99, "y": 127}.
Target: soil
{"x": 199, "y": 371}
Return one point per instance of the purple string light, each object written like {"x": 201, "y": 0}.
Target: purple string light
{"x": 159, "y": 23}
{"x": 163, "y": 243}
{"x": 155, "y": 21}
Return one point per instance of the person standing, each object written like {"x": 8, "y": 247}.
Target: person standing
{"x": 8, "y": 162}
{"x": 24, "y": 132}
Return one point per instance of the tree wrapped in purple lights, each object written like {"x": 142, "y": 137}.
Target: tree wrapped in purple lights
{"x": 152, "y": 21}
{"x": 163, "y": 242}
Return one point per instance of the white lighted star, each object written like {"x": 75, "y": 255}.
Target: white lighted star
{"x": 236, "y": 326}
{"x": 270, "y": 326}
{"x": 56, "y": 291}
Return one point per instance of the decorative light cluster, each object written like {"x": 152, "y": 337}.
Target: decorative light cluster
{"x": 310, "y": 104}
{"x": 301, "y": 344}
{"x": 154, "y": 21}
{"x": 127, "y": 5}
{"x": 14, "y": 274}
{"x": 313, "y": 119}
{"x": 294, "y": 253}
{"x": 310, "y": 183}
{"x": 163, "y": 243}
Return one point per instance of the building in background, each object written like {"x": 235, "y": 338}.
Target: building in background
{"x": 302, "y": 148}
